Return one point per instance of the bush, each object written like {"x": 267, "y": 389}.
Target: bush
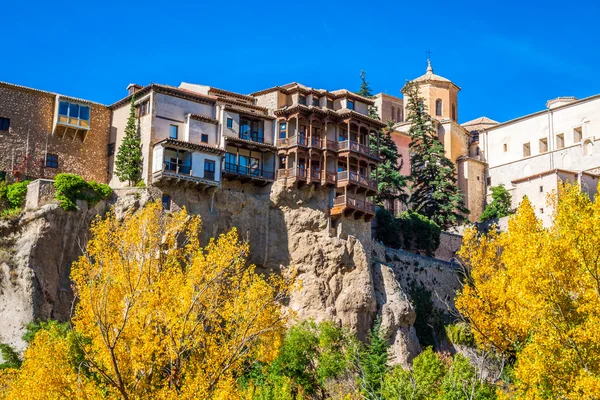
{"x": 388, "y": 230}
{"x": 16, "y": 193}
{"x": 460, "y": 334}
{"x": 71, "y": 187}
{"x": 140, "y": 184}
{"x": 419, "y": 233}
{"x": 499, "y": 206}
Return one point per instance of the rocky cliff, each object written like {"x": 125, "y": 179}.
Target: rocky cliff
{"x": 288, "y": 229}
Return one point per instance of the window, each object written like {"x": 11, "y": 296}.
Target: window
{"x": 110, "y": 149}
{"x": 316, "y": 101}
{"x": 173, "y": 131}
{"x": 282, "y": 130}
{"x": 541, "y": 189}
{"x": 454, "y": 111}
{"x": 302, "y": 100}
{"x": 438, "y": 108}
{"x": 475, "y": 136}
{"x": 399, "y": 119}
{"x": 541, "y": 210}
{"x": 505, "y": 147}
{"x": 4, "y": 124}
{"x": 543, "y": 145}
{"x": 204, "y": 138}
{"x": 144, "y": 108}
{"x": 489, "y": 181}
{"x": 52, "y": 160}
{"x": 229, "y": 123}
{"x": 526, "y": 150}
{"x": 166, "y": 202}
{"x": 350, "y": 104}
{"x": 476, "y": 151}
{"x": 330, "y": 104}
{"x": 74, "y": 114}
{"x": 577, "y": 134}
{"x": 394, "y": 114}
{"x": 560, "y": 141}
{"x": 209, "y": 169}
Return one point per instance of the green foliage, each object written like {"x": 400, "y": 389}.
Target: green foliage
{"x": 16, "y": 193}
{"x": 32, "y": 328}
{"x": 500, "y": 206}
{"x": 430, "y": 321}
{"x": 10, "y": 356}
{"x": 71, "y": 187}
{"x": 388, "y": 229}
{"x": 431, "y": 378}
{"x": 373, "y": 363}
{"x": 140, "y": 184}
{"x": 391, "y": 184}
{"x": 3, "y": 190}
{"x": 461, "y": 334}
{"x": 419, "y": 233}
{"x": 410, "y": 231}
{"x": 128, "y": 164}
{"x": 435, "y": 192}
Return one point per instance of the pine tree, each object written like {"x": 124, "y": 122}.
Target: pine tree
{"x": 434, "y": 191}
{"x": 391, "y": 184}
{"x": 373, "y": 363}
{"x": 128, "y": 165}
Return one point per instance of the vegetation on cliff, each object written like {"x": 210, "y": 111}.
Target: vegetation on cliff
{"x": 71, "y": 187}
{"x": 533, "y": 297}
{"x": 500, "y": 206}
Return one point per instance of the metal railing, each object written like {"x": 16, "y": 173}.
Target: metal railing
{"x": 252, "y": 172}
{"x": 253, "y": 137}
{"x": 178, "y": 168}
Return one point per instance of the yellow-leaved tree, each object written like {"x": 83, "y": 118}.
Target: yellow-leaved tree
{"x": 157, "y": 316}
{"x": 533, "y": 295}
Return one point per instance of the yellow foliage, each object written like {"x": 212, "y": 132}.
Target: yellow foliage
{"x": 164, "y": 318}
{"x": 534, "y": 293}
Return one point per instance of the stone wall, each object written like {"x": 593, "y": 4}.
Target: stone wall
{"x": 39, "y": 192}
{"x": 449, "y": 244}
{"x": 31, "y": 114}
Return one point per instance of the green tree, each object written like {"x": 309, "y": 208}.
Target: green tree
{"x": 434, "y": 192}
{"x": 500, "y": 206}
{"x": 391, "y": 185}
{"x": 128, "y": 165}
{"x": 373, "y": 363}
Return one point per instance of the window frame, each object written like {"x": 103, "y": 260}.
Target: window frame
{"x": 51, "y": 160}
{"x": 171, "y": 126}
{"x": 210, "y": 163}
{"x": 316, "y": 102}
{"x": 229, "y": 123}
{"x": 4, "y": 123}
{"x": 350, "y": 102}
{"x": 544, "y": 142}
{"x": 204, "y": 137}
{"x": 439, "y": 107}
{"x": 527, "y": 146}
{"x": 560, "y": 141}
{"x": 302, "y": 99}
{"x": 70, "y": 111}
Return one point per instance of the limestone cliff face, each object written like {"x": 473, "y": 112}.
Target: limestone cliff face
{"x": 288, "y": 230}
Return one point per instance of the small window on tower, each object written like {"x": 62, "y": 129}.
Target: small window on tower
{"x": 526, "y": 150}
{"x": 505, "y": 147}
{"x": 454, "y": 111}
{"x": 438, "y": 108}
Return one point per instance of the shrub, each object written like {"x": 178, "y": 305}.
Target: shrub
{"x": 71, "y": 187}
{"x": 460, "y": 334}
{"x": 419, "y": 233}
{"x": 140, "y": 184}
{"x": 388, "y": 230}
{"x": 499, "y": 206}
{"x": 16, "y": 193}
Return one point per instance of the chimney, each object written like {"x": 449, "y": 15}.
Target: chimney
{"x": 132, "y": 88}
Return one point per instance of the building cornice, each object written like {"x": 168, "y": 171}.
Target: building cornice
{"x": 190, "y": 146}
{"x": 47, "y": 93}
{"x": 168, "y": 90}
{"x": 204, "y": 118}
{"x": 248, "y": 113}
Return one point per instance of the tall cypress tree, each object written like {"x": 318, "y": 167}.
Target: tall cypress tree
{"x": 434, "y": 191}
{"x": 391, "y": 184}
{"x": 128, "y": 165}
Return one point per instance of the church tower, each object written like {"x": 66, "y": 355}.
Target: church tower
{"x": 440, "y": 94}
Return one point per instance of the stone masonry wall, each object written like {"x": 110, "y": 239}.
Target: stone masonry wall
{"x": 31, "y": 114}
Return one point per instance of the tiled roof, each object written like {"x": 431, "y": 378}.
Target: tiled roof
{"x": 478, "y": 124}
{"x": 204, "y": 118}
{"x": 345, "y": 113}
{"x": 170, "y": 90}
{"x": 553, "y": 171}
{"x": 242, "y": 104}
{"x": 248, "y": 113}
{"x": 250, "y": 142}
{"x": 233, "y": 94}
{"x": 429, "y": 76}
{"x": 28, "y": 89}
{"x": 191, "y": 146}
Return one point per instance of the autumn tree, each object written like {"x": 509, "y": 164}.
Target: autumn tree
{"x": 128, "y": 164}
{"x": 434, "y": 190}
{"x": 533, "y": 296}
{"x": 157, "y": 315}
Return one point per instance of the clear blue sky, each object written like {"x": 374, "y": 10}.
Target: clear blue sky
{"x": 508, "y": 58}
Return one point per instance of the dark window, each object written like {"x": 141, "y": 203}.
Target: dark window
{"x": 302, "y": 100}
{"x": 438, "y": 108}
{"x": 111, "y": 149}
{"x": 475, "y": 136}
{"x": 489, "y": 181}
{"x": 282, "y": 130}
{"x": 204, "y": 138}
{"x": 316, "y": 101}
{"x": 454, "y": 111}
{"x": 209, "y": 169}
{"x": 63, "y": 108}
{"x": 541, "y": 189}
{"x": 166, "y": 202}
{"x": 229, "y": 123}
{"x": 350, "y": 105}
{"x": 394, "y": 114}
{"x": 329, "y": 103}
{"x": 173, "y": 131}
{"x": 145, "y": 108}
{"x": 52, "y": 160}
{"x": 4, "y": 124}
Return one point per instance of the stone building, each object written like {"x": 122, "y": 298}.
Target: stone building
{"x": 530, "y": 154}
{"x": 44, "y": 133}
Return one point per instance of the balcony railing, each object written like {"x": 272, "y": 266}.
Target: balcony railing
{"x": 257, "y": 137}
{"x": 357, "y": 178}
{"x": 330, "y": 177}
{"x": 173, "y": 170}
{"x": 357, "y": 148}
{"x": 299, "y": 172}
{"x": 349, "y": 201}
{"x": 252, "y": 172}
{"x": 178, "y": 168}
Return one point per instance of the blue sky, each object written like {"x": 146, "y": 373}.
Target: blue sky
{"x": 508, "y": 58}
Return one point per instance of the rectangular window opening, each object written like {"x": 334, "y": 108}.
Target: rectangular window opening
{"x": 543, "y": 145}
{"x": 4, "y": 124}
{"x": 302, "y": 100}
{"x": 350, "y": 104}
{"x": 173, "y": 130}
{"x": 229, "y": 123}
{"x": 204, "y": 138}
{"x": 52, "y": 160}
{"x": 505, "y": 147}
{"x": 526, "y": 150}
{"x": 577, "y": 134}
{"x": 560, "y": 141}
{"x": 209, "y": 169}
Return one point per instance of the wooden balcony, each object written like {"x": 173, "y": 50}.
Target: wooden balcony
{"x": 348, "y": 178}
{"x": 350, "y": 145}
{"x": 347, "y": 205}
{"x": 176, "y": 173}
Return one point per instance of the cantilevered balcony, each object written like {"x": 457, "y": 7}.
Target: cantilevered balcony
{"x": 246, "y": 173}
{"x": 356, "y": 147}
{"x": 173, "y": 172}
{"x": 348, "y": 178}
{"x": 348, "y": 205}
